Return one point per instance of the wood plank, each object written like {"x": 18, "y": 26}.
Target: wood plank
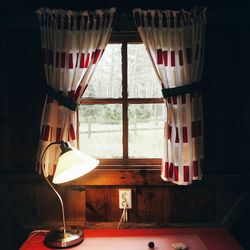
{"x": 225, "y": 196}
{"x": 98, "y": 204}
{"x": 238, "y": 208}
{"x": 74, "y": 199}
{"x": 49, "y": 208}
{"x": 13, "y": 233}
{"x": 27, "y": 195}
{"x": 192, "y": 205}
{"x": 121, "y": 177}
{"x": 48, "y": 205}
{"x": 148, "y": 204}
{"x": 115, "y": 212}
{"x": 16, "y": 207}
{"x": 166, "y": 209}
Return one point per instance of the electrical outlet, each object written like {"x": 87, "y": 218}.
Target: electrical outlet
{"x": 125, "y": 198}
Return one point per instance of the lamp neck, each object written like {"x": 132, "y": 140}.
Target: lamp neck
{"x": 50, "y": 184}
{"x": 65, "y": 147}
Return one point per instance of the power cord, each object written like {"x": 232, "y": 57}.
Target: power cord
{"x": 124, "y": 216}
{"x": 35, "y": 232}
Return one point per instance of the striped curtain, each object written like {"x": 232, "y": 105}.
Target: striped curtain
{"x": 174, "y": 41}
{"x": 72, "y": 44}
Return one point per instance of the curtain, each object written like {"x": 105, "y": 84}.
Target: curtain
{"x": 174, "y": 41}
{"x": 72, "y": 44}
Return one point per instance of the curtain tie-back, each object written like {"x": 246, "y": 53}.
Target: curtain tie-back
{"x": 181, "y": 90}
{"x": 66, "y": 102}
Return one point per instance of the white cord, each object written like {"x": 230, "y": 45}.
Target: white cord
{"x": 35, "y": 232}
{"x": 124, "y": 216}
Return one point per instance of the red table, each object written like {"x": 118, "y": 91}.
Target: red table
{"x": 208, "y": 238}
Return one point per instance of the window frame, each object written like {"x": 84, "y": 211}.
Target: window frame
{"x": 125, "y": 162}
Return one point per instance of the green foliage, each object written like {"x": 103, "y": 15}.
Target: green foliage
{"x": 107, "y": 83}
{"x": 109, "y": 114}
{"x": 140, "y": 112}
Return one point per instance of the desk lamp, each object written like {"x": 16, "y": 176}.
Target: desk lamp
{"x": 71, "y": 164}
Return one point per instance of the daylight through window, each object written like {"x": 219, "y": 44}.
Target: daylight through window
{"x": 121, "y": 113}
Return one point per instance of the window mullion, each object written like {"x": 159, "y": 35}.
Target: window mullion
{"x": 125, "y": 100}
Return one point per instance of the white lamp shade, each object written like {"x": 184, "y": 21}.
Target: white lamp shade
{"x": 72, "y": 165}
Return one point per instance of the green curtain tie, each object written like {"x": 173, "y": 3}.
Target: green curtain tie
{"x": 66, "y": 102}
{"x": 181, "y": 90}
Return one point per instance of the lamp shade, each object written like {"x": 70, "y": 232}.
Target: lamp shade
{"x": 73, "y": 164}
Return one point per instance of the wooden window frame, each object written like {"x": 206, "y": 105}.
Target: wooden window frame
{"x": 125, "y": 162}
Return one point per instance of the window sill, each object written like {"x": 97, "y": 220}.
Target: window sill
{"x": 143, "y": 163}
{"x": 127, "y": 177}
{"x": 128, "y": 167}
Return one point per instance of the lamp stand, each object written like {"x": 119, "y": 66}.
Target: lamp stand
{"x": 61, "y": 237}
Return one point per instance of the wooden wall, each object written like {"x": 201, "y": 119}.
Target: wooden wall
{"x": 91, "y": 202}
{"x": 206, "y": 202}
{"x": 94, "y": 198}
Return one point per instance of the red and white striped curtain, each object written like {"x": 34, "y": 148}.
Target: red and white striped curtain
{"x": 72, "y": 44}
{"x": 174, "y": 41}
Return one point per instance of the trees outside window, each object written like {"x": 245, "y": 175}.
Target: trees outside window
{"x": 121, "y": 112}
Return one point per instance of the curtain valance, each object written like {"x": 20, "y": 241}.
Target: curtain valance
{"x": 76, "y": 20}
{"x": 168, "y": 18}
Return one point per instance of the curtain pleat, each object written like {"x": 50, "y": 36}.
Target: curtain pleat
{"x": 72, "y": 45}
{"x": 174, "y": 41}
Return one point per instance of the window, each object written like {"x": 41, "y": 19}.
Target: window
{"x": 121, "y": 113}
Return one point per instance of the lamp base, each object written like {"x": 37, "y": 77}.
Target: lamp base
{"x": 56, "y": 238}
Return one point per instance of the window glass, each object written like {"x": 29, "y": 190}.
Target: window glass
{"x": 142, "y": 80}
{"x": 122, "y": 125}
{"x": 100, "y": 130}
{"x": 145, "y": 130}
{"x": 107, "y": 78}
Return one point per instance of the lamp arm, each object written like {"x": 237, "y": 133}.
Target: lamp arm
{"x": 50, "y": 184}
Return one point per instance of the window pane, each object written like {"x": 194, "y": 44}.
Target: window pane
{"x": 142, "y": 80}
{"x": 145, "y": 130}
{"x": 101, "y": 130}
{"x": 107, "y": 78}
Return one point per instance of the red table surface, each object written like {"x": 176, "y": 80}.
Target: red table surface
{"x": 213, "y": 238}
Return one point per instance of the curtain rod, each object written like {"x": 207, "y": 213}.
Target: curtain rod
{"x": 122, "y": 20}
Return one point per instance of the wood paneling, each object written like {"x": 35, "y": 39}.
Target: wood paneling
{"x": 75, "y": 198}
{"x": 12, "y": 232}
{"x": 121, "y": 177}
{"x": 48, "y": 206}
{"x": 98, "y": 204}
{"x": 203, "y": 203}
{"x": 192, "y": 200}
{"x": 149, "y": 204}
